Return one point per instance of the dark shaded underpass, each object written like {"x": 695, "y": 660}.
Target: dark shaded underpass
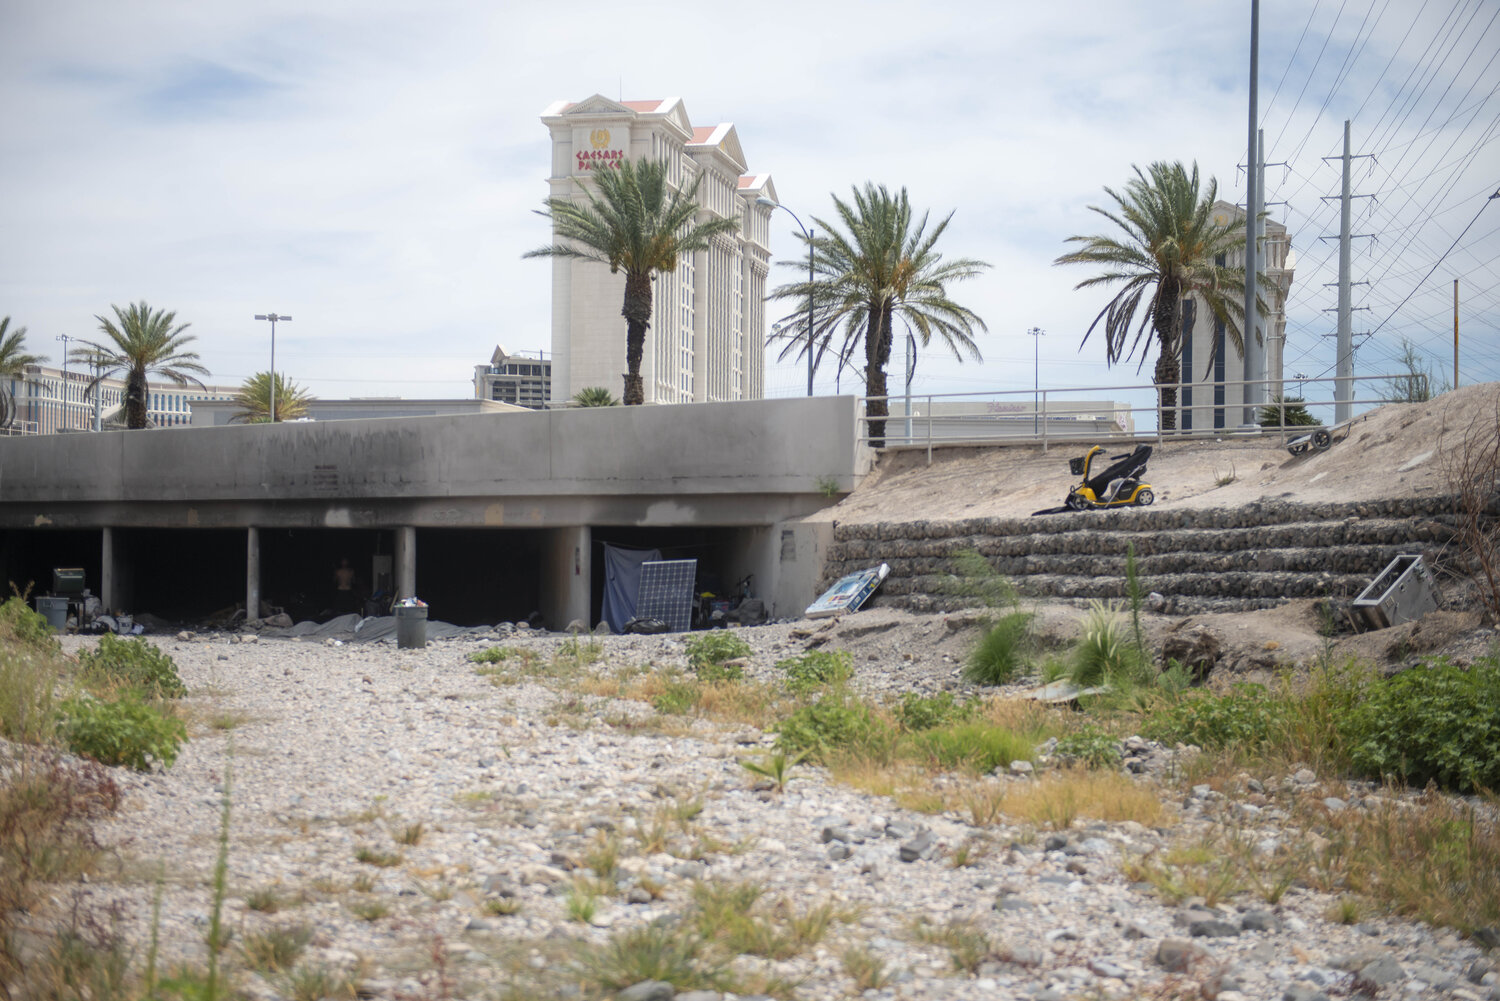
{"x": 467, "y": 576}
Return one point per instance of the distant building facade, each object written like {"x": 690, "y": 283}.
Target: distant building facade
{"x": 522, "y": 379}
{"x": 217, "y": 413}
{"x": 47, "y": 402}
{"x": 706, "y": 341}
{"x": 1008, "y": 416}
{"x": 1209, "y": 358}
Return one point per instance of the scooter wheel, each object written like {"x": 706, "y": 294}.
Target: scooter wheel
{"x": 1145, "y": 497}
{"x": 1321, "y": 440}
{"x": 1077, "y": 503}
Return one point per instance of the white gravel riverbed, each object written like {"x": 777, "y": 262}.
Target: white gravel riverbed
{"x": 335, "y": 750}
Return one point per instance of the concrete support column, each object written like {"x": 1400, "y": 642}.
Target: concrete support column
{"x": 406, "y": 562}
{"x": 109, "y": 585}
{"x": 252, "y": 573}
{"x": 567, "y": 576}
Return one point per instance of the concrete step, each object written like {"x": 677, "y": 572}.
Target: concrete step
{"x": 1249, "y": 557}
{"x": 1341, "y": 559}
{"x": 1222, "y": 585}
{"x": 1118, "y": 542}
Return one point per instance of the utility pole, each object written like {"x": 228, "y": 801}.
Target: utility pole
{"x": 1343, "y": 387}
{"x": 1262, "y": 337}
{"x": 1455, "y": 333}
{"x": 1036, "y": 376}
{"x": 274, "y": 320}
{"x": 1252, "y": 216}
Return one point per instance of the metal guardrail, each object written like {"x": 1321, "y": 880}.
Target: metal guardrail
{"x": 975, "y": 420}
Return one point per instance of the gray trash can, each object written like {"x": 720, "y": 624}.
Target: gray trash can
{"x": 55, "y": 611}
{"x": 411, "y": 627}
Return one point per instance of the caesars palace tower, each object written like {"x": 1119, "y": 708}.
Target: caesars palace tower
{"x": 706, "y": 341}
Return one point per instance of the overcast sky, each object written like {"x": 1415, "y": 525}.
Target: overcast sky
{"x": 370, "y": 168}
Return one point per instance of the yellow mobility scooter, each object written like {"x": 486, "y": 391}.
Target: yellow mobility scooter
{"x": 1118, "y": 485}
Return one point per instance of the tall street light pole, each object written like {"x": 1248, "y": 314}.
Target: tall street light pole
{"x": 768, "y": 203}
{"x": 65, "y": 339}
{"x": 1037, "y": 333}
{"x": 273, "y": 318}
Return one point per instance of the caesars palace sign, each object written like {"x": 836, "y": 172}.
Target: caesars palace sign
{"x": 600, "y": 157}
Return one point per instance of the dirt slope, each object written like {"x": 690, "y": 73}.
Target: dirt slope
{"x": 1397, "y": 450}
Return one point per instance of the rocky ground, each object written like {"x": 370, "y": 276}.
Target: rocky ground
{"x": 338, "y": 752}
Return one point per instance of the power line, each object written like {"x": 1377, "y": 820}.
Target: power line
{"x": 1438, "y": 261}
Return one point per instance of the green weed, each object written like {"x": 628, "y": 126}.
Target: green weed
{"x": 708, "y": 653}
{"x": 776, "y": 766}
{"x": 1002, "y": 651}
{"x": 816, "y": 669}
{"x": 136, "y": 663}
{"x": 924, "y": 712}
{"x": 127, "y": 731}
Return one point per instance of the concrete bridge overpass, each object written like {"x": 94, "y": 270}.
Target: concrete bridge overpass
{"x": 486, "y": 516}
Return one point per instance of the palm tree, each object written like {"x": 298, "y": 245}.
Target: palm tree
{"x": 1171, "y": 249}
{"x": 594, "y": 396}
{"x": 140, "y": 342}
{"x": 636, "y": 224}
{"x": 254, "y": 400}
{"x": 878, "y": 265}
{"x": 13, "y": 362}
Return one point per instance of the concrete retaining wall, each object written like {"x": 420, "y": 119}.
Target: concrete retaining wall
{"x": 1198, "y": 559}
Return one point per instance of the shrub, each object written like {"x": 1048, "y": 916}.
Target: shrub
{"x": 979, "y": 747}
{"x": 817, "y": 669}
{"x": 1090, "y": 745}
{"x": 133, "y": 662}
{"x": 1001, "y": 652}
{"x": 836, "y": 723}
{"x": 28, "y": 680}
{"x": 663, "y": 950}
{"x": 127, "y": 731}
{"x": 275, "y": 949}
{"x": 707, "y": 653}
{"x": 1104, "y": 655}
{"x": 46, "y": 811}
{"x": 1438, "y": 722}
{"x": 1247, "y": 716}
{"x": 24, "y": 626}
{"x": 924, "y": 712}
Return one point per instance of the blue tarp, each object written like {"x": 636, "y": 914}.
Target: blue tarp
{"x": 622, "y": 582}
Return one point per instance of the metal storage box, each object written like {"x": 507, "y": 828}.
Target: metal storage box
{"x": 1402, "y": 592}
{"x": 67, "y": 580}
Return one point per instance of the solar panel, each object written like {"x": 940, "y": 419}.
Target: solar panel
{"x": 667, "y": 593}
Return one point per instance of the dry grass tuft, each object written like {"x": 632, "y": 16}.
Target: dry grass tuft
{"x": 1058, "y": 798}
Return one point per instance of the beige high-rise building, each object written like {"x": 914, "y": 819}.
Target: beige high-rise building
{"x": 706, "y": 341}
{"x": 1209, "y": 359}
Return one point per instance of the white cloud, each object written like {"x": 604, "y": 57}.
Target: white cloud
{"x": 371, "y": 168}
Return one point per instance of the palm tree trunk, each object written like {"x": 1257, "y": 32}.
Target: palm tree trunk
{"x": 637, "y": 313}
{"x": 1168, "y": 374}
{"x": 135, "y": 399}
{"x": 1166, "y": 315}
{"x": 877, "y": 354}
